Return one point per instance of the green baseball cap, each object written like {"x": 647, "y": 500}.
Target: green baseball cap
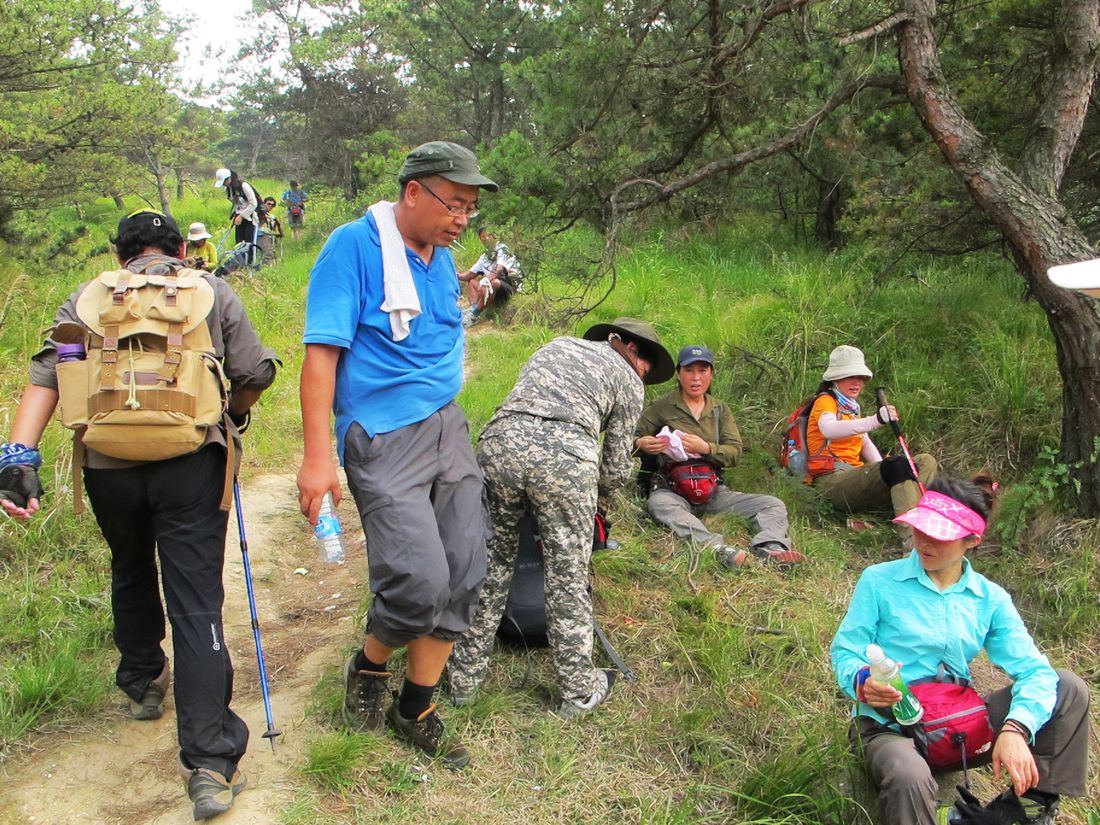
{"x": 448, "y": 160}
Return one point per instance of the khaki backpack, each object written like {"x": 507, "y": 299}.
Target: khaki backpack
{"x": 150, "y": 385}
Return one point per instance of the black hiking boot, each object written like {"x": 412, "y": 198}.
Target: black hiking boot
{"x": 210, "y": 792}
{"x": 426, "y": 732}
{"x": 365, "y": 698}
{"x": 151, "y": 705}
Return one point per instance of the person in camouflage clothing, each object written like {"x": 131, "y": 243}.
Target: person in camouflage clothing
{"x": 541, "y": 452}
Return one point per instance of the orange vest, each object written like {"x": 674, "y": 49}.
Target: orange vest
{"x": 843, "y": 449}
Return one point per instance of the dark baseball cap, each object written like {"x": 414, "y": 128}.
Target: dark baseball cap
{"x": 142, "y": 218}
{"x": 448, "y": 160}
{"x": 694, "y": 353}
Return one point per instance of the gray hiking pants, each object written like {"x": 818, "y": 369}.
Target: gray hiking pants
{"x": 907, "y": 789}
{"x": 768, "y": 515}
{"x": 419, "y": 495}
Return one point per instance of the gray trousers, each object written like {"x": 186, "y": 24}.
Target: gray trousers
{"x": 768, "y": 515}
{"x": 524, "y": 470}
{"x": 419, "y": 495}
{"x": 907, "y": 790}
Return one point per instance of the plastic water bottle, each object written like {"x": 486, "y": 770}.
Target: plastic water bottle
{"x": 330, "y": 538}
{"x": 908, "y": 710}
{"x": 796, "y": 459}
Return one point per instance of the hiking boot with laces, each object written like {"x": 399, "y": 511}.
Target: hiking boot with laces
{"x": 365, "y": 698}
{"x": 775, "y": 553}
{"x": 210, "y": 792}
{"x": 151, "y": 705}
{"x": 427, "y": 733}
{"x": 731, "y": 557}
{"x": 572, "y": 708}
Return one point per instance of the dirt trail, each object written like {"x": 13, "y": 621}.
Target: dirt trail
{"x": 116, "y": 770}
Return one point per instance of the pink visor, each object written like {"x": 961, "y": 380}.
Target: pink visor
{"x": 943, "y": 518}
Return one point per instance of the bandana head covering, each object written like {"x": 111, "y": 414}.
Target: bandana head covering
{"x": 943, "y": 518}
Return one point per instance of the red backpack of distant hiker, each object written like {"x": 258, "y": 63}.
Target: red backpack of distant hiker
{"x": 794, "y": 455}
{"x": 694, "y": 480}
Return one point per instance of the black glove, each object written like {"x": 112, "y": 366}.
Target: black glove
{"x": 895, "y": 470}
{"x": 19, "y": 483}
{"x": 1004, "y": 809}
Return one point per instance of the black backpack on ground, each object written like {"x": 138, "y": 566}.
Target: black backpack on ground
{"x": 524, "y": 619}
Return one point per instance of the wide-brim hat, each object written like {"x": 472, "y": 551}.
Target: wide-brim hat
{"x": 1083, "y": 276}
{"x": 197, "y": 232}
{"x": 447, "y": 160}
{"x": 844, "y": 362}
{"x": 648, "y": 341}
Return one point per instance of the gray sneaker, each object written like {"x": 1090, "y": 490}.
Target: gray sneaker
{"x": 365, "y": 698}
{"x": 731, "y": 557}
{"x": 427, "y": 733}
{"x": 151, "y": 705}
{"x": 572, "y": 708}
{"x": 210, "y": 792}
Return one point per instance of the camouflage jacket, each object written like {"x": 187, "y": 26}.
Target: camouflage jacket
{"x": 588, "y": 388}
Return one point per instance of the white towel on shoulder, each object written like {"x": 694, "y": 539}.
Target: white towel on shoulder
{"x": 401, "y": 301}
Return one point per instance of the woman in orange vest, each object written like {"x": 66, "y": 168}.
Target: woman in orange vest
{"x": 844, "y": 462}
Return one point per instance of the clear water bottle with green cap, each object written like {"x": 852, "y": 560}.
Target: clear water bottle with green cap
{"x": 908, "y": 710}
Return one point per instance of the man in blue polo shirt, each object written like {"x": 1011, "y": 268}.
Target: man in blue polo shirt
{"x": 384, "y": 347}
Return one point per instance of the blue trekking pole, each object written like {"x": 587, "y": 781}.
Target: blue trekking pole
{"x": 271, "y": 732}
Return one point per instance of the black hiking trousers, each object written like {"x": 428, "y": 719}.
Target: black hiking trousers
{"x": 171, "y": 509}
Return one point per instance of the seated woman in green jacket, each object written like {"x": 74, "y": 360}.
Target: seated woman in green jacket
{"x": 694, "y": 437}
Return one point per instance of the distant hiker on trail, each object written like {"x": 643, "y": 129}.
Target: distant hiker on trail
{"x": 844, "y": 463}
{"x": 494, "y": 278}
{"x": 541, "y": 451}
{"x": 936, "y": 613}
{"x": 200, "y": 253}
{"x": 168, "y": 508}
{"x": 294, "y": 199}
{"x": 271, "y": 231}
{"x": 246, "y": 204}
{"x": 694, "y": 437}
{"x": 384, "y": 346}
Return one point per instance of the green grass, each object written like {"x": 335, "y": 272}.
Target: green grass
{"x": 734, "y": 717}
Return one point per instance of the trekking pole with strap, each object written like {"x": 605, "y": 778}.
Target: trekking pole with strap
{"x": 271, "y": 731}
{"x": 880, "y": 396}
{"x": 221, "y": 243}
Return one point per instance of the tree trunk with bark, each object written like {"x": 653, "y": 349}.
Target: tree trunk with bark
{"x": 1023, "y": 203}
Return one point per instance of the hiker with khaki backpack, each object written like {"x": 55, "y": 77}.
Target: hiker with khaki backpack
{"x": 843, "y": 462}
{"x": 137, "y": 359}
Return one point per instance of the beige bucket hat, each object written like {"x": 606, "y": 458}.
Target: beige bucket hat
{"x": 844, "y": 362}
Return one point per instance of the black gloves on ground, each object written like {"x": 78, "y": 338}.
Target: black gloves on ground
{"x": 19, "y": 483}
{"x": 1004, "y": 809}
{"x": 895, "y": 470}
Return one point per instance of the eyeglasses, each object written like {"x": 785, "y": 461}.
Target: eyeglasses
{"x": 455, "y": 211}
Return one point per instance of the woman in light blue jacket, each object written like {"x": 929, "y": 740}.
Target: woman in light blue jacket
{"x": 932, "y": 612}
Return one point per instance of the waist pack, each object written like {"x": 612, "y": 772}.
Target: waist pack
{"x": 149, "y": 386}
{"x": 955, "y": 727}
{"x": 694, "y": 480}
{"x": 296, "y": 211}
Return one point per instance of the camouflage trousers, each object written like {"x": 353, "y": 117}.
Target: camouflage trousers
{"x": 525, "y": 469}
